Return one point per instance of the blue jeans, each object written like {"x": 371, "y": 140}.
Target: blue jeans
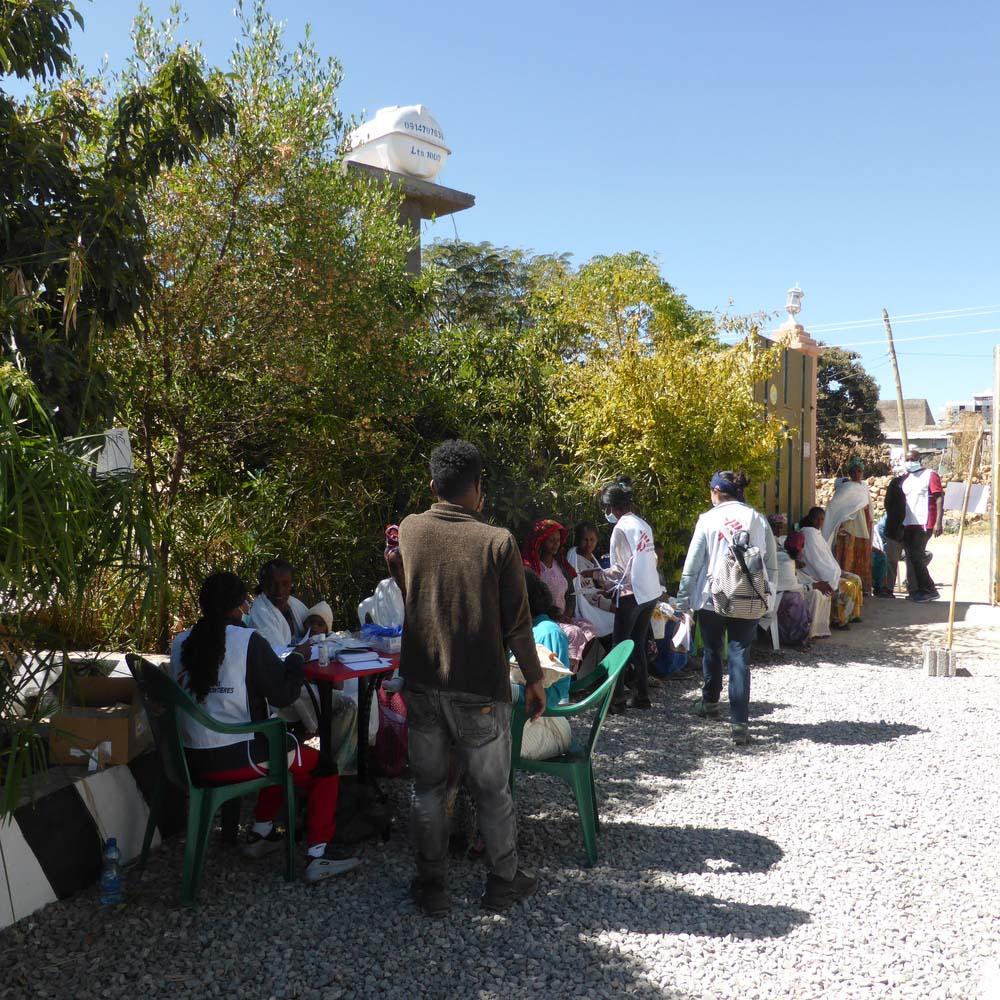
{"x": 741, "y": 634}
{"x": 479, "y": 729}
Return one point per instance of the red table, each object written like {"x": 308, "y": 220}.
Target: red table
{"x": 368, "y": 679}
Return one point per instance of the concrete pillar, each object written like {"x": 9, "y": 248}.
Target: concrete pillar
{"x": 410, "y": 216}
{"x": 421, "y": 200}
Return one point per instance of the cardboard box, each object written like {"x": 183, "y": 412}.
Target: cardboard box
{"x": 100, "y": 710}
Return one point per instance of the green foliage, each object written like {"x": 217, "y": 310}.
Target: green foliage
{"x": 267, "y": 378}
{"x": 73, "y": 251}
{"x": 73, "y": 171}
{"x": 669, "y": 419}
{"x": 621, "y": 300}
{"x": 35, "y": 36}
{"x": 499, "y": 390}
{"x": 63, "y": 531}
{"x": 493, "y": 287}
{"x": 847, "y": 408}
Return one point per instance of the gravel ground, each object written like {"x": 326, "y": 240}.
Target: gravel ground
{"x": 852, "y": 851}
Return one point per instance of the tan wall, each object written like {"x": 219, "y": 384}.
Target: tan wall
{"x": 791, "y": 397}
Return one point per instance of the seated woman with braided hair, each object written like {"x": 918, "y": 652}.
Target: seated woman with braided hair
{"x": 234, "y": 674}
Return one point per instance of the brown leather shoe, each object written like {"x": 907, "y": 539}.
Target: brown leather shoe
{"x": 431, "y": 897}
{"x": 502, "y": 894}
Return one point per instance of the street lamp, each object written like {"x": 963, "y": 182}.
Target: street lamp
{"x": 793, "y": 304}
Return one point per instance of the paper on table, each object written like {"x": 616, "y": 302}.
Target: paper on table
{"x": 379, "y": 661}
{"x": 360, "y": 657}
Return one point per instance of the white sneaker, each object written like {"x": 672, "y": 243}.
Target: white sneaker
{"x": 256, "y": 846}
{"x": 330, "y": 864}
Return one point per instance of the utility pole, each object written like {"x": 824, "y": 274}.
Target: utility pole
{"x": 900, "y": 408}
{"x": 994, "y": 505}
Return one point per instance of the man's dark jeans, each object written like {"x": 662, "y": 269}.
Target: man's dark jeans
{"x": 479, "y": 729}
{"x": 918, "y": 577}
{"x": 632, "y": 622}
{"x": 741, "y": 634}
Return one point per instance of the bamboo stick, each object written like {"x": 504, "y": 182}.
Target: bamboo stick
{"x": 973, "y": 462}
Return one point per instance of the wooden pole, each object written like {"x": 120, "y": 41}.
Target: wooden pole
{"x": 973, "y": 462}
{"x": 900, "y": 408}
{"x": 994, "y": 505}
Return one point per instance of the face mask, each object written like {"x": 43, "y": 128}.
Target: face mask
{"x": 610, "y": 518}
{"x": 914, "y": 466}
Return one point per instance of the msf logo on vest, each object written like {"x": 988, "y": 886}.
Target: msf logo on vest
{"x": 729, "y": 528}
{"x": 182, "y": 679}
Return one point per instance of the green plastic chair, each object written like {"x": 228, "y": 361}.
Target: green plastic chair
{"x": 165, "y": 702}
{"x": 576, "y": 766}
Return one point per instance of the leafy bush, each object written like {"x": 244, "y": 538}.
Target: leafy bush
{"x": 670, "y": 419}
{"x": 63, "y": 533}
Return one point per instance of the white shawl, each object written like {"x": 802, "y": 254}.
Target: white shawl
{"x": 390, "y": 608}
{"x": 849, "y": 498}
{"x": 271, "y": 623}
{"x": 603, "y": 621}
{"x": 819, "y": 561}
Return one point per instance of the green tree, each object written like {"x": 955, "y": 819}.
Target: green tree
{"x": 63, "y": 531}
{"x": 847, "y": 408}
{"x": 669, "y": 418}
{"x": 494, "y": 287}
{"x": 74, "y": 168}
{"x": 73, "y": 171}
{"x": 267, "y": 379}
{"x": 619, "y": 300}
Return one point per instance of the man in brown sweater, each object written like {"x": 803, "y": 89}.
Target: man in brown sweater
{"x": 466, "y": 606}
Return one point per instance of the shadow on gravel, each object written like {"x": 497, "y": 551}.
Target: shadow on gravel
{"x": 678, "y": 850}
{"x": 835, "y": 732}
{"x": 626, "y": 905}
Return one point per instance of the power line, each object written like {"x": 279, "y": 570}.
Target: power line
{"x": 932, "y": 336}
{"x": 922, "y": 317}
{"x": 938, "y": 354}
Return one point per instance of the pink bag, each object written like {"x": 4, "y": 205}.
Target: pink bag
{"x": 389, "y": 755}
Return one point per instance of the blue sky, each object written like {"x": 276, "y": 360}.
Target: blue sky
{"x": 851, "y": 148}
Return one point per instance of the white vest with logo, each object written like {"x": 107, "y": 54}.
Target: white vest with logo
{"x": 228, "y": 701}
{"x": 916, "y": 489}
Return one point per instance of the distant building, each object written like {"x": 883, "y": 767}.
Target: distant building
{"x": 981, "y": 403}
{"x": 921, "y": 430}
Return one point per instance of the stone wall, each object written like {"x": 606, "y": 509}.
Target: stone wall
{"x": 877, "y": 485}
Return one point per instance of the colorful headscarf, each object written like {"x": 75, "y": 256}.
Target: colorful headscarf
{"x": 391, "y": 538}
{"x": 794, "y": 543}
{"x": 531, "y": 550}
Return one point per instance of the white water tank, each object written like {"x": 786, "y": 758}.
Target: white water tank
{"x": 406, "y": 139}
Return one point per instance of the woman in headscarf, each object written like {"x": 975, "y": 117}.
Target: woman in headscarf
{"x": 842, "y": 587}
{"x": 849, "y": 523}
{"x": 817, "y": 602}
{"x": 543, "y": 554}
{"x": 794, "y": 620}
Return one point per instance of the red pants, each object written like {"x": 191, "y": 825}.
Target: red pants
{"x": 322, "y": 791}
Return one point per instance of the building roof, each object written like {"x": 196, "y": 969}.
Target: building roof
{"x": 918, "y": 414}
